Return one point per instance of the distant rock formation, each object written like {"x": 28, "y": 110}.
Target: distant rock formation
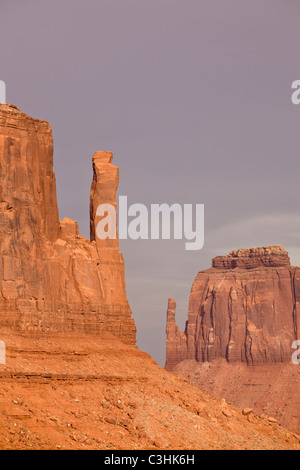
{"x": 51, "y": 278}
{"x": 245, "y": 310}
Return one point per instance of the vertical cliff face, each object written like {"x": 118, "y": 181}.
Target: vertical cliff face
{"x": 52, "y": 279}
{"x": 244, "y": 315}
{"x": 27, "y": 180}
{"x": 104, "y": 191}
{"x": 245, "y": 308}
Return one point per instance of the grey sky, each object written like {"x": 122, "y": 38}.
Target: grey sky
{"x": 193, "y": 97}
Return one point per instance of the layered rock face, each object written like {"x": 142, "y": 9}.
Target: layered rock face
{"x": 61, "y": 388}
{"x": 249, "y": 258}
{"x": 52, "y": 279}
{"x": 244, "y": 311}
{"x": 245, "y": 308}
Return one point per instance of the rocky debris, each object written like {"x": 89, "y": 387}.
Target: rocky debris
{"x": 269, "y": 389}
{"x": 227, "y": 413}
{"x": 149, "y": 408}
{"x": 52, "y": 279}
{"x": 272, "y": 420}
{"x": 244, "y": 311}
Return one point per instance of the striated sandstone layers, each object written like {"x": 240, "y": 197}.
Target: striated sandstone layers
{"x": 245, "y": 308}
{"x": 52, "y": 279}
{"x": 244, "y": 314}
{"x": 249, "y": 258}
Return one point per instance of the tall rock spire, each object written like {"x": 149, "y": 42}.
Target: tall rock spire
{"x": 51, "y": 278}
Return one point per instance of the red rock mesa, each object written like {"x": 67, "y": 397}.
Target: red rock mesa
{"x": 244, "y": 315}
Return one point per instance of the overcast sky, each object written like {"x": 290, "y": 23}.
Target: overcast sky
{"x": 193, "y": 97}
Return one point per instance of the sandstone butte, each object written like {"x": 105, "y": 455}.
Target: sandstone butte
{"x": 74, "y": 377}
{"x": 244, "y": 315}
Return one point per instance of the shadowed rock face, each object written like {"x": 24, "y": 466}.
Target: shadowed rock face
{"x": 52, "y": 279}
{"x": 245, "y": 308}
